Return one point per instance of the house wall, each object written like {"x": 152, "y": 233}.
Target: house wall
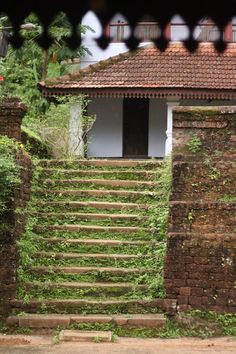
{"x": 105, "y": 138}
{"x": 157, "y": 128}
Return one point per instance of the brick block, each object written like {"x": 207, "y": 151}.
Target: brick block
{"x": 185, "y": 291}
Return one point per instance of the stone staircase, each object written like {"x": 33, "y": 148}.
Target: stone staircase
{"x": 91, "y": 257}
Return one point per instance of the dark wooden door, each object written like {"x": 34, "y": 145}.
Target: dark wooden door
{"x": 135, "y": 127}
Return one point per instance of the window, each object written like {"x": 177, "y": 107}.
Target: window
{"x": 144, "y": 31}
{"x": 148, "y": 29}
{"x": 206, "y": 31}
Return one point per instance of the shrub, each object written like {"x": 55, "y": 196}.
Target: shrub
{"x": 65, "y": 137}
{"x": 9, "y": 171}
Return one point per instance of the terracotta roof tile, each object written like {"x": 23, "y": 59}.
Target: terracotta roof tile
{"x": 149, "y": 68}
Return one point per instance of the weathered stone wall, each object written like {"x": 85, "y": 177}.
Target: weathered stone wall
{"x": 13, "y": 221}
{"x": 200, "y": 265}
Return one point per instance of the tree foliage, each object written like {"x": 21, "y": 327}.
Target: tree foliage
{"x": 22, "y": 69}
{"x": 9, "y": 176}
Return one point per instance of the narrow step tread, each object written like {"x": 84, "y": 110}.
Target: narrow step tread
{"x": 92, "y": 228}
{"x": 85, "y": 336}
{"x": 99, "y": 172}
{"x": 104, "y": 162}
{"x": 93, "y": 216}
{"x": 84, "y": 285}
{"x": 95, "y": 204}
{"x": 61, "y": 255}
{"x": 102, "y": 182}
{"x": 85, "y": 270}
{"x": 95, "y": 242}
{"x": 54, "y": 320}
{"x": 96, "y": 192}
{"x": 77, "y": 302}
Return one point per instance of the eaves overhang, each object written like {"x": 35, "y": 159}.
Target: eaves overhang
{"x": 179, "y": 93}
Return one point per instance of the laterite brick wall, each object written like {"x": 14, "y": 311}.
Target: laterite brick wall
{"x": 13, "y": 221}
{"x": 200, "y": 265}
{"x": 12, "y": 112}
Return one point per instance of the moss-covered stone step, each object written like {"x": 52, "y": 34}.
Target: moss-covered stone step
{"x": 95, "y": 173}
{"x": 85, "y": 336}
{"x": 92, "y": 216}
{"x": 88, "y": 274}
{"x": 101, "y": 163}
{"x": 54, "y": 321}
{"x": 47, "y": 258}
{"x": 71, "y": 289}
{"x": 91, "y": 246}
{"x": 142, "y": 235}
{"x": 91, "y": 219}
{"x": 93, "y": 242}
{"x": 87, "y": 270}
{"x": 94, "y": 193}
{"x": 97, "y": 206}
{"x": 79, "y": 306}
{"x": 93, "y": 228}
{"x": 97, "y": 256}
{"x": 50, "y": 183}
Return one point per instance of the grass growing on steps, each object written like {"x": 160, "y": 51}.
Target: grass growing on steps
{"x": 74, "y": 220}
{"x": 106, "y": 174}
{"x": 85, "y": 195}
{"x": 95, "y": 164}
{"x": 136, "y": 236}
{"x": 152, "y": 261}
{"x": 61, "y": 206}
{"x": 92, "y": 276}
{"x": 80, "y": 248}
{"x": 149, "y": 257}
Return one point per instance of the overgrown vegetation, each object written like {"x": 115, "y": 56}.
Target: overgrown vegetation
{"x": 63, "y": 136}
{"x": 225, "y": 323}
{"x": 9, "y": 176}
{"x": 152, "y": 222}
{"x": 21, "y": 71}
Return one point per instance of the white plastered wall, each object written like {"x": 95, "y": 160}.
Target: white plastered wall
{"x": 105, "y": 138}
{"x": 157, "y": 127}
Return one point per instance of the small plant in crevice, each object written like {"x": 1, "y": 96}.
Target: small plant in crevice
{"x": 194, "y": 144}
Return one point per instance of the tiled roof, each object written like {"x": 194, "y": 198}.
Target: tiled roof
{"x": 148, "y": 68}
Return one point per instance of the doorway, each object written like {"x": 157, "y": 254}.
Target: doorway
{"x": 135, "y": 127}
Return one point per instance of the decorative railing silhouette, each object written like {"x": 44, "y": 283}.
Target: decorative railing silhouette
{"x": 162, "y": 12}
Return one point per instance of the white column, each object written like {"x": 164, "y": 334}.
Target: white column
{"x": 76, "y": 143}
{"x": 169, "y": 131}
